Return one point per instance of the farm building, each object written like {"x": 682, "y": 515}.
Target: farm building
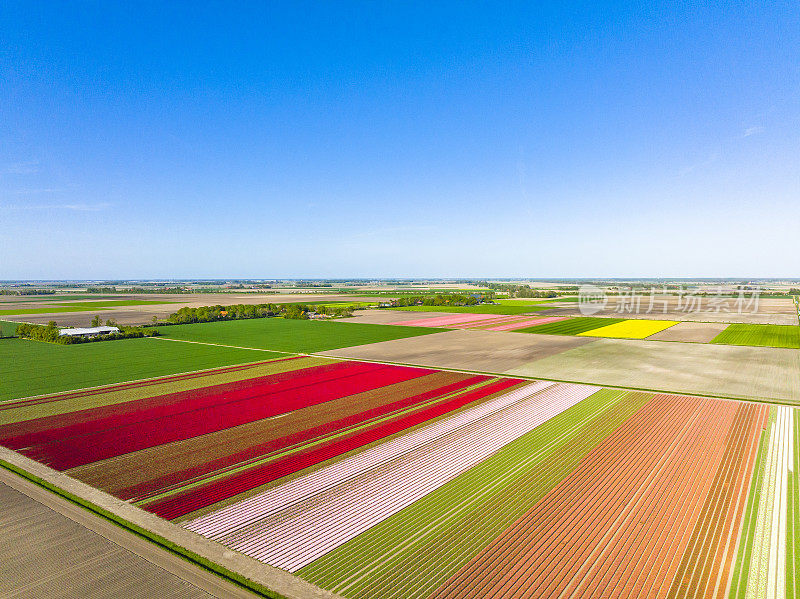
{"x": 88, "y": 332}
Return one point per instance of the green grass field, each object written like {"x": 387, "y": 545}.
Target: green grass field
{"x": 7, "y": 328}
{"x": 35, "y": 368}
{"x": 573, "y": 326}
{"x": 302, "y": 336}
{"x": 480, "y": 309}
{"x": 762, "y": 335}
{"x": 79, "y": 307}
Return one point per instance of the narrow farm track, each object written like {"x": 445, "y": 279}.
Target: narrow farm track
{"x": 638, "y": 493}
{"x": 299, "y": 535}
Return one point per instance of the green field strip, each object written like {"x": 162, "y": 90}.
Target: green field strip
{"x": 411, "y": 553}
{"x": 760, "y": 335}
{"x": 30, "y": 368}
{"x": 741, "y": 568}
{"x": 479, "y": 309}
{"x": 103, "y": 397}
{"x": 793, "y": 515}
{"x": 293, "y": 336}
{"x": 573, "y": 326}
{"x": 302, "y": 446}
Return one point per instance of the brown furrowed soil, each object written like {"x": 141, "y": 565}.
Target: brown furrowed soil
{"x": 482, "y": 351}
{"x": 691, "y": 332}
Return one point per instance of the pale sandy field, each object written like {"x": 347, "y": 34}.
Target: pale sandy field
{"x": 766, "y": 373}
{"x": 483, "y": 351}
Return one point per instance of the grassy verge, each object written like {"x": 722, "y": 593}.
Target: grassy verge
{"x": 166, "y": 544}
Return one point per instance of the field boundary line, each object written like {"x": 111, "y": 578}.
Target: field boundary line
{"x": 274, "y": 351}
{"x": 209, "y": 555}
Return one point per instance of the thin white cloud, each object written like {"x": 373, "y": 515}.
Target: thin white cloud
{"x": 753, "y": 131}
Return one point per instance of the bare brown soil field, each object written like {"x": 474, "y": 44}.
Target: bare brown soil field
{"x": 46, "y": 554}
{"x": 134, "y": 315}
{"x": 467, "y": 349}
{"x": 764, "y": 373}
{"x": 611, "y": 527}
{"x": 692, "y": 332}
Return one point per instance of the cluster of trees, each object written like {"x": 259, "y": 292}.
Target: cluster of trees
{"x": 441, "y": 299}
{"x": 522, "y": 290}
{"x": 49, "y": 333}
{"x": 27, "y": 291}
{"x": 240, "y": 311}
{"x": 335, "y": 311}
{"x": 213, "y": 313}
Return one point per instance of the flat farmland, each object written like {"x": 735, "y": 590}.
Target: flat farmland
{"x": 482, "y": 351}
{"x": 185, "y": 450}
{"x": 78, "y": 306}
{"x": 47, "y": 554}
{"x": 630, "y": 329}
{"x": 388, "y": 316}
{"x": 7, "y": 328}
{"x": 33, "y": 368}
{"x": 571, "y": 326}
{"x": 295, "y": 336}
{"x": 690, "y": 332}
{"x": 479, "y": 309}
{"x": 762, "y": 373}
{"x": 760, "y": 335}
{"x": 377, "y": 481}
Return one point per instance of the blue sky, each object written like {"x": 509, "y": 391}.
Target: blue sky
{"x": 378, "y": 139}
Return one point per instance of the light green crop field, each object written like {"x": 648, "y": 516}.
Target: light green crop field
{"x": 573, "y": 326}
{"x": 296, "y": 336}
{"x": 764, "y": 335}
{"x": 79, "y": 307}
{"x": 480, "y": 309}
{"x": 35, "y": 368}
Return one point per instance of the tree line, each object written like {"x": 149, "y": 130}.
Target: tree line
{"x": 188, "y": 315}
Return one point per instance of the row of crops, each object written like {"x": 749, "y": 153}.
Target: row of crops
{"x": 382, "y": 481}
